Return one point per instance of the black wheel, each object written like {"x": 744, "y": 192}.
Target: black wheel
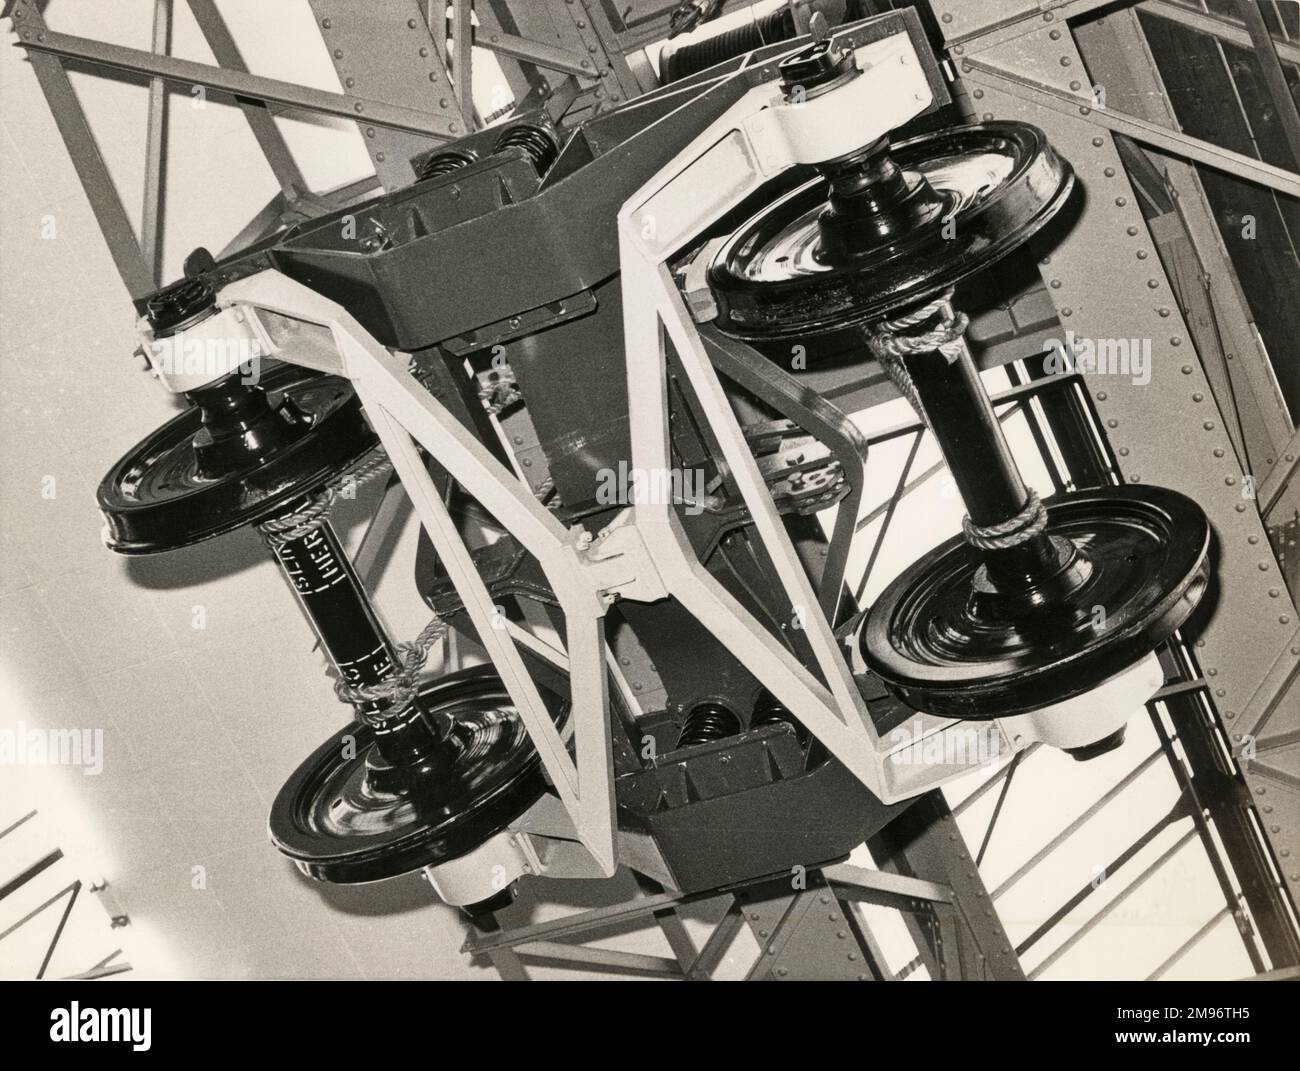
{"x": 158, "y": 497}
{"x": 994, "y": 185}
{"x": 346, "y": 816}
{"x": 944, "y": 642}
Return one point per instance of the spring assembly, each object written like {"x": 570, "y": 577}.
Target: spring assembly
{"x": 444, "y": 163}
{"x": 768, "y": 710}
{"x": 708, "y": 721}
{"x": 538, "y": 143}
{"x": 678, "y": 61}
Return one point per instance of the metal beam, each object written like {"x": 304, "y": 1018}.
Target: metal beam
{"x": 385, "y": 50}
{"x": 155, "y": 146}
{"x": 548, "y": 56}
{"x": 462, "y": 64}
{"x": 236, "y": 83}
{"x": 1213, "y": 25}
{"x": 1171, "y": 141}
{"x": 608, "y": 958}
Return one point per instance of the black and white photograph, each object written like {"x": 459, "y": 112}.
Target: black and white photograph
{"x": 647, "y": 490}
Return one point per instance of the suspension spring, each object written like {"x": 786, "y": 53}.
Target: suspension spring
{"x": 708, "y": 721}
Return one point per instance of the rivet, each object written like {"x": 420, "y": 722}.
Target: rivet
{"x": 326, "y": 23}
{"x": 1112, "y": 423}
{"x": 1198, "y": 397}
{"x": 978, "y": 94}
{"x": 1273, "y": 593}
{"x": 410, "y": 24}
{"x": 338, "y": 53}
{"x": 1055, "y": 35}
{"x": 1131, "y": 231}
{"x": 1101, "y": 396}
{"x": 1067, "y": 311}
{"x": 1056, "y": 284}
{"x": 1208, "y": 425}
{"x": 1153, "y": 283}
{"x": 1162, "y": 310}
{"x": 1109, "y": 172}
{"x": 1262, "y": 566}
{"x": 1187, "y": 369}
{"x": 1097, "y": 143}
{"x": 1123, "y": 451}
{"x": 1065, "y": 61}
{"x": 946, "y": 17}
{"x": 1141, "y": 254}
{"x": 1218, "y": 451}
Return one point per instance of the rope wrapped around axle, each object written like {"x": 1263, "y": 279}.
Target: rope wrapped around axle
{"x": 892, "y": 341}
{"x": 399, "y": 690}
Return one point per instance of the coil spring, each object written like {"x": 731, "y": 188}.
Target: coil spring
{"x": 677, "y": 62}
{"x": 538, "y": 143}
{"x": 768, "y": 710}
{"x": 444, "y": 163}
{"x": 706, "y": 722}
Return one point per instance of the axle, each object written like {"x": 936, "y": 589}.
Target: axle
{"x": 334, "y": 601}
